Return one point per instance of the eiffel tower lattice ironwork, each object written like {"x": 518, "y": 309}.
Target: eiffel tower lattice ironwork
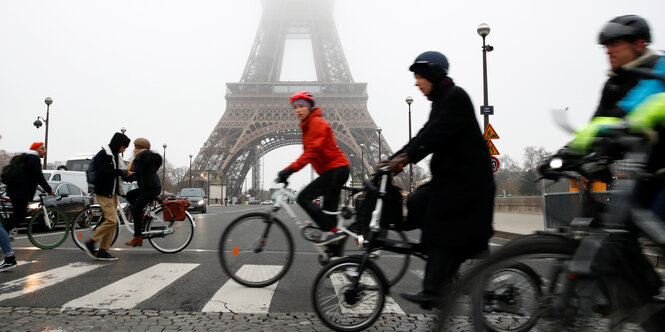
{"x": 258, "y": 117}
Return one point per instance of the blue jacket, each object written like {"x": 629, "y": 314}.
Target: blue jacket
{"x": 644, "y": 89}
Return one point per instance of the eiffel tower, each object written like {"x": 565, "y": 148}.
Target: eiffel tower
{"x": 258, "y": 117}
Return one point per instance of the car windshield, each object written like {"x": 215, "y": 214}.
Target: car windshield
{"x": 47, "y": 176}
{"x": 191, "y": 192}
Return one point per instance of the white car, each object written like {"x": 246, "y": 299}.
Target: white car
{"x": 267, "y": 202}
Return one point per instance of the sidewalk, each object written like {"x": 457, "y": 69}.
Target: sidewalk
{"x": 512, "y": 225}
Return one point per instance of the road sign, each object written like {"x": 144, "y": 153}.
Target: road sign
{"x": 490, "y": 133}
{"x": 492, "y": 148}
{"x": 495, "y": 164}
{"x": 486, "y": 110}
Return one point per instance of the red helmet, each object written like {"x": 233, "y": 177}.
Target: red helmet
{"x": 302, "y": 95}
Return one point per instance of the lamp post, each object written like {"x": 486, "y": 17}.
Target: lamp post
{"x": 409, "y": 100}
{"x": 351, "y": 155}
{"x": 123, "y": 130}
{"x": 483, "y": 31}
{"x": 190, "y": 170}
{"x": 378, "y": 131}
{"x": 164, "y": 170}
{"x": 48, "y": 101}
{"x": 362, "y": 160}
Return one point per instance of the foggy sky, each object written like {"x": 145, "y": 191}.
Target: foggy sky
{"x": 159, "y": 68}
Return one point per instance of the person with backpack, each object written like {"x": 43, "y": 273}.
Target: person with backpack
{"x": 108, "y": 174}
{"x": 21, "y": 177}
{"x": 143, "y": 168}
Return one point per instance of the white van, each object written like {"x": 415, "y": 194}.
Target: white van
{"x": 76, "y": 177}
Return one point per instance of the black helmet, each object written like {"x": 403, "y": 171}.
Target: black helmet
{"x": 628, "y": 27}
{"x": 431, "y": 65}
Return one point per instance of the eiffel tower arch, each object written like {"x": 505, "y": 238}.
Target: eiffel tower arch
{"x": 258, "y": 118}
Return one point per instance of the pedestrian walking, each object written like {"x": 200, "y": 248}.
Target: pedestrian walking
{"x": 21, "y": 188}
{"x": 108, "y": 167}
{"x": 143, "y": 168}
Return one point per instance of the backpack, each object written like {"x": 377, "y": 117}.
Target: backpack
{"x": 15, "y": 171}
{"x": 90, "y": 172}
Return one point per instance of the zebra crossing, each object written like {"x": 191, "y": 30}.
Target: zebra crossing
{"x": 137, "y": 289}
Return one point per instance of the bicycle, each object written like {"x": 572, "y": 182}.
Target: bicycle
{"x": 597, "y": 273}
{"x": 349, "y": 294}
{"x": 256, "y": 249}
{"x": 48, "y": 227}
{"x": 167, "y": 236}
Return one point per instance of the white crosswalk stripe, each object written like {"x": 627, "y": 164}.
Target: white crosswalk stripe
{"x": 233, "y": 297}
{"x": 41, "y": 280}
{"x": 130, "y": 291}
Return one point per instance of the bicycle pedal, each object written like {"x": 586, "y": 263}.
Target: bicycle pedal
{"x": 312, "y": 233}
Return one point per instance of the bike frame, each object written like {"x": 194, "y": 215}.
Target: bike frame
{"x": 149, "y": 211}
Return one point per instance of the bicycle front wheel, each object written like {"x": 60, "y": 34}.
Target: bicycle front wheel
{"x": 256, "y": 250}
{"x": 85, "y": 223}
{"x": 49, "y": 232}
{"x": 342, "y": 306}
{"x": 169, "y": 236}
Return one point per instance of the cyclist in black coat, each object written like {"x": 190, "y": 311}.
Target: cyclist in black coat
{"x": 22, "y": 191}
{"x": 455, "y": 208}
{"x": 143, "y": 168}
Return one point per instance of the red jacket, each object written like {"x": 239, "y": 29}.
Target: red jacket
{"x": 320, "y": 147}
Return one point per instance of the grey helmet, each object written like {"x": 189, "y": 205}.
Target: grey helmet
{"x": 628, "y": 27}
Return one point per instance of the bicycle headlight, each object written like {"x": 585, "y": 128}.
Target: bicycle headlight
{"x": 123, "y": 205}
{"x": 34, "y": 206}
{"x": 556, "y": 163}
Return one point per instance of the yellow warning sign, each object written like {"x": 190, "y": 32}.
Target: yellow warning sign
{"x": 492, "y": 148}
{"x": 490, "y": 133}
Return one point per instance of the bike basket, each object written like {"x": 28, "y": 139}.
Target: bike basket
{"x": 391, "y": 214}
{"x": 175, "y": 210}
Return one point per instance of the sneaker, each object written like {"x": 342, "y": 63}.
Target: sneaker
{"x": 104, "y": 255}
{"x": 8, "y": 263}
{"x": 334, "y": 237}
{"x": 89, "y": 248}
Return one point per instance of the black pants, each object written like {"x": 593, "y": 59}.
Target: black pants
{"x": 329, "y": 185}
{"x": 19, "y": 208}
{"x": 139, "y": 199}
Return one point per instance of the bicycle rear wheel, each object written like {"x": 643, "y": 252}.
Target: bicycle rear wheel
{"x": 342, "y": 306}
{"x": 50, "y": 232}
{"x": 393, "y": 265}
{"x": 169, "y": 236}
{"x": 85, "y": 223}
{"x": 256, "y": 250}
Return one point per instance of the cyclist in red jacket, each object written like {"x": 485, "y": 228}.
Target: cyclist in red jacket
{"x": 328, "y": 160}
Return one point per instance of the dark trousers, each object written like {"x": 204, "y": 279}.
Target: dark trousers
{"x": 139, "y": 199}
{"x": 19, "y": 207}
{"x": 441, "y": 268}
{"x": 650, "y": 194}
{"x": 329, "y": 185}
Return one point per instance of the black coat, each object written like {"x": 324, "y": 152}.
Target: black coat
{"x": 145, "y": 167}
{"x": 460, "y": 199}
{"x": 26, "y": 190}
{"x": 107, "y": 173}
{"x": 618, "y": 86}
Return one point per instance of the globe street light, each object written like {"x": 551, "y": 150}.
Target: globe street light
{"x": 483, "y": 31}
{"x": 378, "y": 131}
{"x": 362, "y": 159}
{"x": 409, "y": 100}
{"x": 38, "y": 124}
{"x": 190, "y": 170}
{"x": 164, "y": 170}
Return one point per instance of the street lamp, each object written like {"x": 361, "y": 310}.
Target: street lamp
{"x": 190, "y": 170}
{"x": 378, "y": 131}
{"x": 123, "y": 130}
{"x": 483, "y": 31}
{"x": 351, "y": 155}
{"x": 362, "y": 159}
{"x": 164, "y": 170}
{"x": 409, "y": 100}
{"x": 38, "y": 124}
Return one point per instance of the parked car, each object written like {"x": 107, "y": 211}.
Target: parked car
{"x": 196, "y": 197}
{"x": 69, "y": 199}
{"x": 76, "y": 177}
{"x": 267, "y": 202}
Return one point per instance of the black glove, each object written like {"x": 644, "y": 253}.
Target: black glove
{"x": 283, "y": 175}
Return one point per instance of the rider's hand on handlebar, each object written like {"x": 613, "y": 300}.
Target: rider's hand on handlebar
{"x": 283, "y": 175}
{"x": 382, "y": 163}
{"x": 396, "y": 164}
